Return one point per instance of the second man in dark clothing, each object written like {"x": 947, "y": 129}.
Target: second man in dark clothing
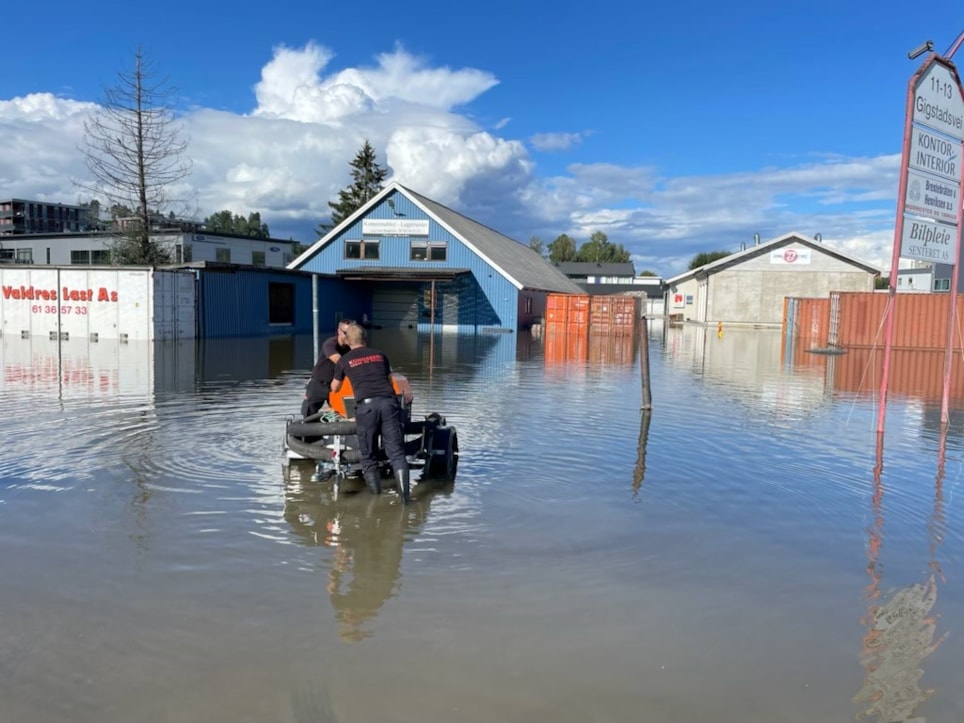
{"x": 316, "y": 391}
{"x": 377, "y": 409}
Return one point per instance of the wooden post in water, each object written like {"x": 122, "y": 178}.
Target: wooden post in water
{"x": 647, "y": 401}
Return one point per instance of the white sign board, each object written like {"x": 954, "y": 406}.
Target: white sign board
{"x": 938, "y": 103}
{"x": 932, "y": 197}
{"x": 934, "y": 154}
{"x": 794, "y": 256}
{"x": 395, "y": 226}
{"x": 929, "y": 241}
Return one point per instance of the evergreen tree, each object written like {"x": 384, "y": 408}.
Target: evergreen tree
{"x": 367, "y": 180}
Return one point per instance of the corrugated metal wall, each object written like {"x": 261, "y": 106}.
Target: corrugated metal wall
{"x": 807, "y": 321}
{"x": 235, "y": 302}
{"x": 920, "y": 320}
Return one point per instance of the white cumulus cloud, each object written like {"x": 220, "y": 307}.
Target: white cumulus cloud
{"x": 289, "y": 156}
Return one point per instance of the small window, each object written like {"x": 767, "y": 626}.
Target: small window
{"x": 80, "y": 257}
{"x": 364, "y": 249}
{"x": 188, "y": 253}
{"x": 942, "y": 284}
{"x": 24, "y": 256}
{"x": 223, "y": 256}
{"x": 429, "y": 251}
{"x": 100, "y": 257}
{"x": 281, "y": 303}
{"x": 257, "y": 258}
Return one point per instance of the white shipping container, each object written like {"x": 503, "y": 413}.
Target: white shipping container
{"x": 129, "y": 304}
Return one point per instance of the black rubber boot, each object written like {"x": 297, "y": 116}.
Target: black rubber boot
{"x": 401, "y": 477}
{"x": 374, "y": 482}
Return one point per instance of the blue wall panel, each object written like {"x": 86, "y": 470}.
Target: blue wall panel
{"x": 233, "y": 302}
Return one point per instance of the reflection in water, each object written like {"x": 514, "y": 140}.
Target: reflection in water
{"x": 366, "y": 534}
{"x": 639, "y": 472}
{"x": 900, "y": 631}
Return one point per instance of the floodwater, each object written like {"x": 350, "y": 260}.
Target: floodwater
{"x": 746, "y": 553}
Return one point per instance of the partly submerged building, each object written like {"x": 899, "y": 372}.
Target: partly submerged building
{"x": 415, "y": 263}
{"x": 749, "y": 287}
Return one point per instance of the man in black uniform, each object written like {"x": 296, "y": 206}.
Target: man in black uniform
{"x": 377, "y": 410}
{"x": 316, "y": 392}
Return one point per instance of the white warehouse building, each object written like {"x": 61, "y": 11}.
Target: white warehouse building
{"x": 93, "y": 248}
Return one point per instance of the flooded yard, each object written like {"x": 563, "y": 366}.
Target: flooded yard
{"x": 748, "y": 552}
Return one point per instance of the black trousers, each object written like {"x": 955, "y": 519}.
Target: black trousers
{"x": 316, "y": 394}
{"x": 380, "y": 416}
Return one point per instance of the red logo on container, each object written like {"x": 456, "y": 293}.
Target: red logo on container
{"x": 789, "y": 256}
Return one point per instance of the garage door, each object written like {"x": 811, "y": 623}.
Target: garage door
{"x": 395, "y": 305}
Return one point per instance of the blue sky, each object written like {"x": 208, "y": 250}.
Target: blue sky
{"x": 674, "y": 128}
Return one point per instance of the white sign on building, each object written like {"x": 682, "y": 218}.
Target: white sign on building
{"x": 395, "y": 226}
{"x": 791, "y": 255}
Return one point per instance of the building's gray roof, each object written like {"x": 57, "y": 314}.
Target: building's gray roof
{"x": 653, "y": 291}
{"x": 590, "y": 268}
{"x": 522, "y": 265}
{"x": 784, "y": 240}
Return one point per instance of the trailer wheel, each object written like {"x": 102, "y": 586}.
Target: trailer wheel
{"x": 445, "y": 448}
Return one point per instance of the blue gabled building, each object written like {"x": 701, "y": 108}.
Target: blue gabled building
{"x": 409, "y": 262}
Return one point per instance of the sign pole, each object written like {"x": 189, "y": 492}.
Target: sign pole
{"x": 952, "y": 311}
{"x": 951, "y": 316}
{"x": 895, "y": 257}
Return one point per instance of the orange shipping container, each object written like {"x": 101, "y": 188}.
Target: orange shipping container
{"x": 920, "y": 320}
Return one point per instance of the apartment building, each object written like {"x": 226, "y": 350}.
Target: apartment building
{"x": 20, "y": 216}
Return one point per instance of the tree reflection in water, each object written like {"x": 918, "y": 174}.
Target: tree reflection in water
{"x": 901, "y": 631}
{"x": 366, "y": 535}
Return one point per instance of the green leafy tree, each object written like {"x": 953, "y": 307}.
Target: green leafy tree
{"x": 135, "y": 156}
{"x": 234, "y": 224}
{"x": 598, "y": 249}
{"x": 368, "y": 179}
{"x": 562, "y": 249}
{"x": 647, "y": 272}
{"x": 707, "y": 257}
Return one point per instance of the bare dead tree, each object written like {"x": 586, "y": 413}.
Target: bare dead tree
{"x": 135, "y": 153}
